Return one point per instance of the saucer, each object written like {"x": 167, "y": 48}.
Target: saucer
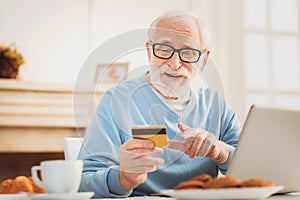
{"x": 20, "y": 196}
{"x": 62, "y": 196}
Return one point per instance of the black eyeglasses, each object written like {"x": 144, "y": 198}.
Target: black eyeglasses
{"x": 165, "y": 51}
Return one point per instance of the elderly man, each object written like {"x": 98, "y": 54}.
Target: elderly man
{"x": 202, "y": 129}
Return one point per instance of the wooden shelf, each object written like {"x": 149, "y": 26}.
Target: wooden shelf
{"x": 35, "y": 117}
{"x": 19, "y": 164}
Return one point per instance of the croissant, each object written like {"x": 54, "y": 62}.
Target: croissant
{"x": 5, "y": 187}
{"x": 36, "y": 189}
{"x": 205, "y": 181}
{"x": 19, "y": 184}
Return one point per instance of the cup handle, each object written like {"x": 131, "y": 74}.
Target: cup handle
{"x": 35, "y": 177}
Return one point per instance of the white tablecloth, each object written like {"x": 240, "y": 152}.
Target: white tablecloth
{"x": 275, "y": 197}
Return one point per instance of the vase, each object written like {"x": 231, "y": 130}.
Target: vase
{"x": 8, "y": 68}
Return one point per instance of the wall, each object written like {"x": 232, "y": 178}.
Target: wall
{"x": 224, "y": 21}
{"x": 45, "y": 32}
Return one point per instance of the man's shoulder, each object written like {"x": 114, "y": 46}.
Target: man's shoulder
{"x": 128, "y": 87}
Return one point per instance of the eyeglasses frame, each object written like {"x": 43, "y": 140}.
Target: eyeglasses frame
{"x": 176, "y": 50}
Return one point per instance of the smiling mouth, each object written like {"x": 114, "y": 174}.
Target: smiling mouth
{"x": 174, "y": 75}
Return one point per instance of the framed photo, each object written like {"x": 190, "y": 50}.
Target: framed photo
{"x": 111, "y": 73}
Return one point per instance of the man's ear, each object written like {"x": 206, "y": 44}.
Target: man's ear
{"x": 149, "y": 53}
{"x": 204, "y": 60}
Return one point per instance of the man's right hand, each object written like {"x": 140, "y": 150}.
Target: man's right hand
{"x": 135, "y": 162}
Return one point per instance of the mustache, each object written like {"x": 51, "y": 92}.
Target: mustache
{"x": 182, "y": 71}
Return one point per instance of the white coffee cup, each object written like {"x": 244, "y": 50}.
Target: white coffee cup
{"x": 58, "y": 176}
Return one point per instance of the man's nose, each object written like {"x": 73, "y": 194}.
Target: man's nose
{"x": 175, "y": 62}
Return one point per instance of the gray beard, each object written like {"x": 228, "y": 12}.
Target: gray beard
{"x": 173, "y": 90}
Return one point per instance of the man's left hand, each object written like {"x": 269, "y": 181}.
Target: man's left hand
{"x": 199, "y": 142}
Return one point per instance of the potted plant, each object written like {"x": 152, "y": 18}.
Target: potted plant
{"x": 10, "y": 61}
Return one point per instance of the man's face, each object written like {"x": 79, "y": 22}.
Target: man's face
{"x": 174, "y": 75}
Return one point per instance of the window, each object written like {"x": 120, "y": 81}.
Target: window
{"x": 271, "y": 49}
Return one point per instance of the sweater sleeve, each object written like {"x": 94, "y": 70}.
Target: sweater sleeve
{"x": 230, "y": 132}
{"x": 100, "y": 152}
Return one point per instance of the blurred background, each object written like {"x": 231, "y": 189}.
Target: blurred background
{"x": 255, "y": 43}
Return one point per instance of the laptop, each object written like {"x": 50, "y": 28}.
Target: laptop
{"x": 269, "y": 148}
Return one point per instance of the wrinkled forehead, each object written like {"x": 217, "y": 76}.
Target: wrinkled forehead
{"x": 175, "y": 39}
{"x": 178, "y": 32}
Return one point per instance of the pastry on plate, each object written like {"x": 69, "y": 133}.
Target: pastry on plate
{"x": 191, "y": 184}
{"x": 254, "y": 182}
{"x": 222, "y": 182}
{"x": 19, "y": 184}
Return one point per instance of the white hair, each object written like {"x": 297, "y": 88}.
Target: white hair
{"x": 204, "y": 35}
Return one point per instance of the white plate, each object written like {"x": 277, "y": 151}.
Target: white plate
{"x": 21, "y": 196}
{"x": 226, "y": 193}
{"x": 63, "y": 196}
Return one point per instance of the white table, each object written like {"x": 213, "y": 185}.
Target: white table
{"x": 276, "y": 197}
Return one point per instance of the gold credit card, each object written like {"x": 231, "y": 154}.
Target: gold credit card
{"x": 156, "y": 134}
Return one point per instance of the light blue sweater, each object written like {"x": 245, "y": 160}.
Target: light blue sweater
{"x": 135, "y": 103}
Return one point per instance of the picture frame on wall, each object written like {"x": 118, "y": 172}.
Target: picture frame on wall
{"x": 111, "y": 73}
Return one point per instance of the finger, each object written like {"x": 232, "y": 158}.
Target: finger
{"x": 176, "y": 145}
{"x": 142, "y": 165}
{"x": 124, "y": 155}
{"x": 207, "y": 146}
{"x": 186, "y": 131}
{"x": 141, "y": 151}
{"x": 182, "y": 146}
{"x": 137, "y": 153}
{"x": 148, "y": 161}
{"x": 182, "y": 127}
{"x": 142, "y": 169}
{"x": 189, "y": 141}
{"x": 192, "y": 132}
{"x": 138, "y": 144}
{"x": 198, "y": 140}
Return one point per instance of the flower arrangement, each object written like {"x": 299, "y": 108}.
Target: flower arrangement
{"x": 10, "y": 61}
